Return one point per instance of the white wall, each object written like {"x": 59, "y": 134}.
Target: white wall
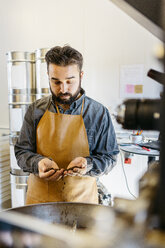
{"x": 105, "y": 35}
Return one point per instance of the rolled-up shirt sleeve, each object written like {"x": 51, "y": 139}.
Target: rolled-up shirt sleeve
{"x": 25, "y": 147}
{"x": 104, "y": 150}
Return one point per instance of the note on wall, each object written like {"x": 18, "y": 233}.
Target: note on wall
{"x": 131, "y": 81}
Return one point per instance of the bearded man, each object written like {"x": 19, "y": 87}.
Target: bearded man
{"x": 67, "y": 139}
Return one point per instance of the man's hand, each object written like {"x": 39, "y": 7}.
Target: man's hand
{"x": 49, "y": 170}
{"x": 77, "y": 167}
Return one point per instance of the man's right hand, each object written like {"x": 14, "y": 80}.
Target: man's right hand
{"x": 49, "y": 170}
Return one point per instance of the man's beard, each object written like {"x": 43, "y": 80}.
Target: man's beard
{"x": 56, "y": 98}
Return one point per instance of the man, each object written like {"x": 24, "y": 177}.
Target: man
{"x": 67, "y": 139}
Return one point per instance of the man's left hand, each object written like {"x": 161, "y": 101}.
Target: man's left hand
{"x": 77, "y": 167}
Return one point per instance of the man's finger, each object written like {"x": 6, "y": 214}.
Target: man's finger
{"x": 50, "y": 166}
{"x": 72, "y": 174}
{"x": 47, "y": 174}
{"x": 56, "y": 175}
{"x": 79, "y": 170}
{"x": 77, "y": 173}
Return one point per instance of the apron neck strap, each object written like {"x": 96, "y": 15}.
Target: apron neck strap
{"x": 57, "y": 108}
{"x": 82, "y": 106}
{"x": 58, "y": 112}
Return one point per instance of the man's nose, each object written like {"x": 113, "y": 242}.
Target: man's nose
{"x": 63, "y": 88}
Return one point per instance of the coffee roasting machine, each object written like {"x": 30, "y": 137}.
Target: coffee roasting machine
{"x": 133, "y": 224}
{"x": 148, "y": 114}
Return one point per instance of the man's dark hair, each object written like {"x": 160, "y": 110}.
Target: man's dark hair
{"x": 64, "y": 56}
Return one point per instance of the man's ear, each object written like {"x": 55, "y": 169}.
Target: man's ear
{"x": 81, "y": 74}
{"x": 48, "y": 69}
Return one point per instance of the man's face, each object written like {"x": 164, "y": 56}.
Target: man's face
{"x": 65, "y": 82}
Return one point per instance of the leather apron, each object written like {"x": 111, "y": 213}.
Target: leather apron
{"x": 62, "y": 137}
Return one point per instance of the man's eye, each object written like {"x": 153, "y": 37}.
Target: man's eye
{"x": 57, "y": 82}
{"x": 69, "y": 82}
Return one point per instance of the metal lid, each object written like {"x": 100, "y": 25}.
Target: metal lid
{"x": 43, "y": 91}
{"x": 40, "y": 53}
{"x": 14, "y": 56}
{"x": 18, "y": 172}
{"x": 23, "y": 99}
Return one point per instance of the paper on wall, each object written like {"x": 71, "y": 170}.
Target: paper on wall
{"x": 131, "y": 81}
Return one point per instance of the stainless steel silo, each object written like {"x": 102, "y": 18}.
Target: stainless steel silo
{"x": 21, "y": 93}
{"x": 27, "y": 82}
{"x": 21, "y": 75}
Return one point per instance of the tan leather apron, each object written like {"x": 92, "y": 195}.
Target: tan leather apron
{"x": 62, "y": 137}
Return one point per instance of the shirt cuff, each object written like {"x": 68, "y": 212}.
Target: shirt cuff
{"x": 89, "y": 164}
{"x": 35, "y": 165}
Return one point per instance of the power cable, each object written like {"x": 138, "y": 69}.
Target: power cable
{"x": 125, "y": 176}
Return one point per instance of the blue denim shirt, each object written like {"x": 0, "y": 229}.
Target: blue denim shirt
{"x": 100, "y": 132}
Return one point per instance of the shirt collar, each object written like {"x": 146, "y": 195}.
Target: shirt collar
{"x": 77, "y": 102}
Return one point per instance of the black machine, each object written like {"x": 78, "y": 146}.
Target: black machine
{"x": 148, "y": 114}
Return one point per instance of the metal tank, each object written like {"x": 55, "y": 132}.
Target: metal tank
{"x": 27, "y": 82}
{"x": 21, "y": 76}
{"x": 21, "y": 93}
